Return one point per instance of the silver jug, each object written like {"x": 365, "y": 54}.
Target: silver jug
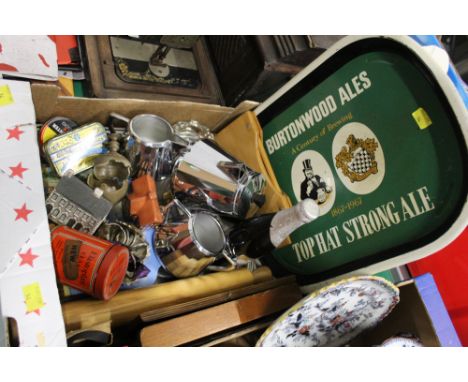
{"x": 208, "y": 174}
{"x": 152, "y": 146}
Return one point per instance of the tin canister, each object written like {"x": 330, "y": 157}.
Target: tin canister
{"x": 87, "y": 263}
{"x": 77, "y": 149}
{"x": 53, "y": 127}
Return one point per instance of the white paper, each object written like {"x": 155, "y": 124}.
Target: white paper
{"x": 28, "y": 289}
{"x": 28, "y": 57}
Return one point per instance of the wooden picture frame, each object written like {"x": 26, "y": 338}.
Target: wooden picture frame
{"x": 106, "y": 83}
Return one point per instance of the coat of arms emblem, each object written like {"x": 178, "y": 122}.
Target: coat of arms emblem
{"x": 357, "y": 158}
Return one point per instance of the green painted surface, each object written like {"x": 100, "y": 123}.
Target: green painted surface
{"x": 386, "y": 275}
{"x": 79, "y": 88}
{"x": 423, "y": 173}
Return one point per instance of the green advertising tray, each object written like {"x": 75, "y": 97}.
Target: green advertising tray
{"x": 376, "y": 133}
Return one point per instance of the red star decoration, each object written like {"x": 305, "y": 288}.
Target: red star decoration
{"x": 22, "y": 213}
{"x": 18, "y": 170}
{"x": 14, "y": 133}
{"x": 27, "y": 258}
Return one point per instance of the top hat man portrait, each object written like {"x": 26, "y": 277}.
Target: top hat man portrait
{"x": 313, "y": 186}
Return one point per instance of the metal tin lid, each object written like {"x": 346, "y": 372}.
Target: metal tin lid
{"x": 111, "y": 272}
{"x": 375, "y": 132}
{"x": 53, "y": 127}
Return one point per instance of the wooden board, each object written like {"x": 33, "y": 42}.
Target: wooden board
{"x": 226, "y": 339}
{"x": 219, "y": 298}
{"x": 190, "y": 327}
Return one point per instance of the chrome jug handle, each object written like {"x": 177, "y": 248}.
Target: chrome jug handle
{"x": 225, "y": 254}
{"x": 119, "y": 117}
{"x": 230, "y": 267}
{"x": 234, "y": 170}
{"x": 185, "y": 210}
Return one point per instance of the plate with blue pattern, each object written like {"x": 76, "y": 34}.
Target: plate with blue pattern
{"x": 334, "y": 315}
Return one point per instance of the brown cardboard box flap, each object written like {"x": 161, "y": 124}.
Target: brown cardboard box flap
{"x": 49, "y": 104}
{"x": 243, "y": 139}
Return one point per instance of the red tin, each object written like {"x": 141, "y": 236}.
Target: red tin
{"x": 87, "y": 263}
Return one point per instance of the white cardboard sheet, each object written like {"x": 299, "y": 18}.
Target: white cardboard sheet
{"x": 28, "y": 57}
{"x": 28, "y": 290}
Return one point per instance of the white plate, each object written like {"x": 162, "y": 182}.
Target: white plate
{"x": 403, "y": 341}
{"x": 335, "y": 314}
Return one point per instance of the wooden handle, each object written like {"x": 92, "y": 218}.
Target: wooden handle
{"x": 127, "y": 305}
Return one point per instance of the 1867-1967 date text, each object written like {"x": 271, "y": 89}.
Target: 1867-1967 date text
{"x": 338, "y": 210}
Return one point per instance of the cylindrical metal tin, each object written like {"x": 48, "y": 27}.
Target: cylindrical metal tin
{"x": 87, "y": 263}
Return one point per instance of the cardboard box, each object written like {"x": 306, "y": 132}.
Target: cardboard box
{"x": 420, "y": 312}
{"x": 48, "y": 104}
{"x": 42, "y": 324}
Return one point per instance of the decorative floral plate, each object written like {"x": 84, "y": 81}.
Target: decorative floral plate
{"x": 335, "y": 314}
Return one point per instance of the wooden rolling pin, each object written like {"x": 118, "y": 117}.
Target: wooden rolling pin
{"x": 125, "y": 306}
